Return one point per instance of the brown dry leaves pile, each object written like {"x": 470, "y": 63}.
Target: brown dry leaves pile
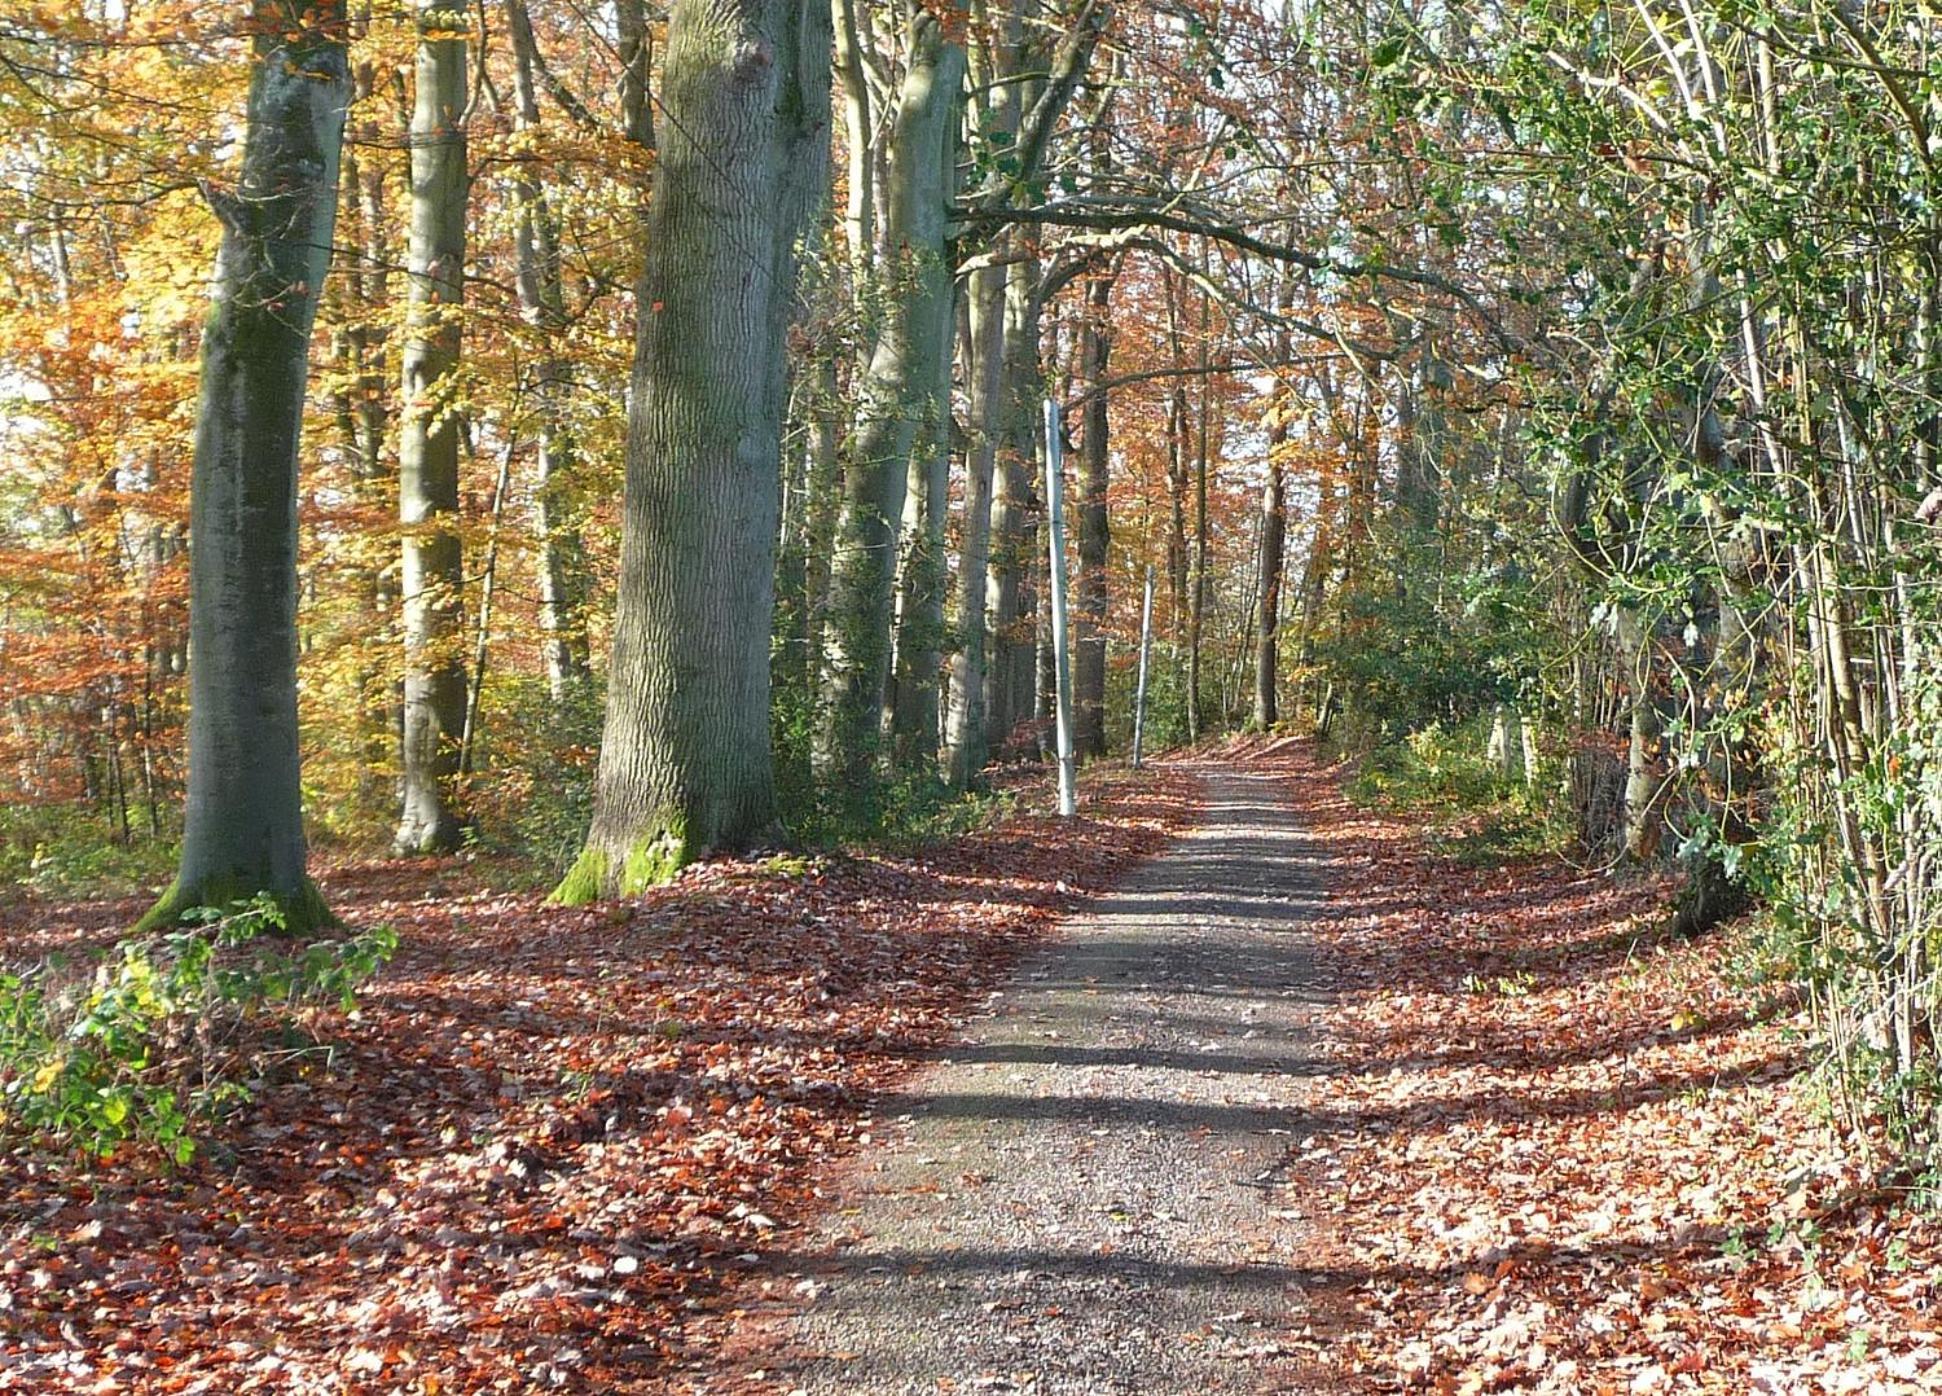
{"x": 1557, "y": 1152}
{"x": 553, "y": 1144}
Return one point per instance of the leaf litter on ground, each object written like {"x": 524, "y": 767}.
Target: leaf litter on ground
{"x": 551, "y": 1146}
{"x": 1554, "y": 1150}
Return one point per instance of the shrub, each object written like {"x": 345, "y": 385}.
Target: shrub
{"x": 169, "y": 1030}
{"x": 55, "y": 850}
{"x": 533, "y": 792}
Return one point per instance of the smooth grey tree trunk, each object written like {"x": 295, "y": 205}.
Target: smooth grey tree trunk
{"x": 967, "y": 742}
{"x": 901, "y": 413}
{"x": 542, "y": 305}
{"x": 1274, "y": 532}
{"x": 428, "y": 443}
{"x": 685, "y": 760}
{"x": 989, "y": 357}
{"x": 1197, "y": 605}
{"x": 243, "y": 827}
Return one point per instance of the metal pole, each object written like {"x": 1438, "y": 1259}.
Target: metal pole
{"x": 1146, "y": 647}
{"x": 1062, "y": 666}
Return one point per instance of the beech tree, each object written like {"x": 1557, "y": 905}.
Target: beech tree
{"x": 428, "y": 448}
{"x": 902, "y": 418}
{"x": 243, "y": 830}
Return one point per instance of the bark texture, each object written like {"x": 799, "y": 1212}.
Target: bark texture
{"x": 243, "y": 829}
{"x": 1011, "y": 604}
{"x": 542, "y": 305}
{"x": 685, "y": 759}
{"x": 428, "y": 444}
{"x": 902, "y": 414}
{"x": 967, "y": 742}
{"x": 1095, "y": 541}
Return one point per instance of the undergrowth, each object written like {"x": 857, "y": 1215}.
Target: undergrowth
{"x": 167, "y": 1032}
{"x": 1478, "y": 815}
{"x": 56, "y": 851}
{"x": 904, "y": 811}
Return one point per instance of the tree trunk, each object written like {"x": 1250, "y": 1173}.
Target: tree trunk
{"x": 1644, "y": 775}
{"x": 636, "y": 60}
{"x": 428, "y": 444}
{"x": 901, "y": 412}
{"x": 243, "y": 830}
{"x": 364, "y": 420}
{"x": 920, "y": 639}
{"x": 1095, "y": 542}
{"x": 542, "y": 305}
{"x": 825, "y": 475}
{"x": 967, "y": 743}
{"x": 1274, "y": 532}
{"x": 1009, "y": 596}
{"x": 859, "y": 212}
{"x": 685, "y": 759}
{"x": 1197, "y": 613}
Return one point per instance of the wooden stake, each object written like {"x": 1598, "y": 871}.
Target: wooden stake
{"x": 1061, "y": 661}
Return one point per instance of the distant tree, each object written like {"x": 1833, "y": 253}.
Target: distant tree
{"x": 428, "y": 447}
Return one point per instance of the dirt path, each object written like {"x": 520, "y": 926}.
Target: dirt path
{"x": 1078, "y": 1198}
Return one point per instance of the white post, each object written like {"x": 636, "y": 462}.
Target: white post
{"x": 1146, "y": 647}
{"x": 1055, "y": 528}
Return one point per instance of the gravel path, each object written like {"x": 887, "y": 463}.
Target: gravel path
{"x": 1077, "y": 1198}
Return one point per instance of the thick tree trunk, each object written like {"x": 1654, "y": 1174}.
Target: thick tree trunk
{"x": 1095, "y": 542}
{"x": 428, "y": 444}
{"x": 901, "y": 415}
{"x": 1011, "y": 612}
{"x": 685, "y": 760}
{"x": 243, "y": 830}
{"x": 542, "y": 305}
{"x": 915, "y": 722}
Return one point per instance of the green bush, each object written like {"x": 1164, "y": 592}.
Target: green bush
{"x": 55, "y": 850}
{"x": 533, "y": 793}
{"x": 1444, "y": 771}
{"x": 905, "y": 809}
{"x": 168, "y": 1030}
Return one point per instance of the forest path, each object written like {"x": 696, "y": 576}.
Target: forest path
{"x": 1076, "y": 1198}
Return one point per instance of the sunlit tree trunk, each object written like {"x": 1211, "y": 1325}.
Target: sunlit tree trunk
{"x": 685, "y": 758}
{"x": 243, "y": 830}
{"x": 966, "y": 738}
{"x": 920, "y": 640}
{"x": 900, "y": 412}
{"x": 542, "y": 304}
{"x": 428, "y": 445}
{"x": 1197, "y": 603}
